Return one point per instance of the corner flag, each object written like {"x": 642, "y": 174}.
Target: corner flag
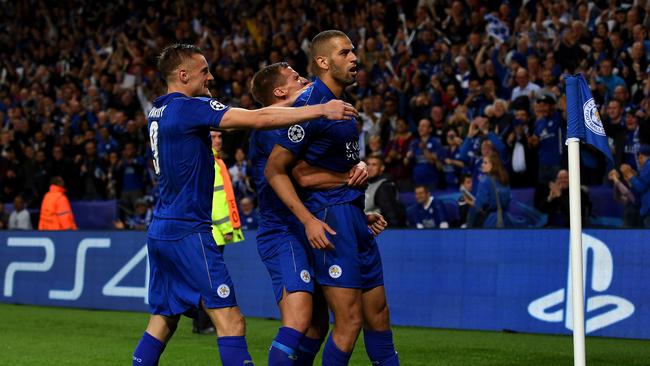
{"x": 583, "y": 118}
{"x": 584, "y": 124}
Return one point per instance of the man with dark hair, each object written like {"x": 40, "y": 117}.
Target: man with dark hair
{"x": 427, "y": 213}
{"x": 187, "y": 269}
{"x": 382, "y": 196}
{"x": 349, "y": 264}
{"x": 281, "y": 248}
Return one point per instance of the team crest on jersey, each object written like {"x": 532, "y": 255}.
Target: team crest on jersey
{"x": 335, "y": 271}
{"x": 296, "y": 133}
{"x": 592, "y": 117}
{"x": 223, "y": 291}
{"x": 216, "y": 105}
{"x": 305, "y": 276}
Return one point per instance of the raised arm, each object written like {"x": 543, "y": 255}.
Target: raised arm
{"x": 278, "y": 117}
{"x": 279, "y": 163}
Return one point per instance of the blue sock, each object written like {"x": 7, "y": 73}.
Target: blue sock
{"x": 307, "y": 351}
{"x": 333, "y": 356}
{"x": 148, "y": 351}
{"x": 234, "y": 351}
{"x": 283, "y": 348}
{"x": 380, "y": 348}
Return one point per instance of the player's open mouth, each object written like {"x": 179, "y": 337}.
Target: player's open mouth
{"x": 353, "y": 70}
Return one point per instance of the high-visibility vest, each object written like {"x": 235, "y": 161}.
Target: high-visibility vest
{"x": 56, "y": 213}
{"x": 225, "y": 217}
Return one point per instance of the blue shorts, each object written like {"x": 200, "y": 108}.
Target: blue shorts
{"x": 286, "y": 258}
{"x": 184, "y": 272}
{"x": 355, "y": 262}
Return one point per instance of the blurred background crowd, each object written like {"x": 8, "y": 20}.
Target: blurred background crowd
{"x": 450, "y": 92}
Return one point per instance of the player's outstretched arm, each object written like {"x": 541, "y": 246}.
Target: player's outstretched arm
{"x": 277, "y": 117}
{"x": 276, "y": 172}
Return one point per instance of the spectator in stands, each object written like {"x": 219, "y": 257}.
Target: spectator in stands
{"x": 524, "y": 86}
{"x": 132, "y": 178}
{"x": 522, "y": 168}
{"x": 548, "y": 138}
{"x": 624, "y": 195}
{"x": 466, "y": 199}
{"x": 555, "y": 203}
{"x": 4, "y": 217}
{"x": 426, "y": 153}
{"x": 382, "y": 196}
{"x": 427, "y": 213}
{"x": 374, "y": 147}
{"x": 19, "y": 218}
{"x": 640, "y": 182}
{"x": 141, "y": 216}
{"x": 396, "y": 150}
{"x": 56, "y": 213}
{"x": 493, "y": 196}
{"x": 92, "y": 173}
{"x": 453, "y": 162}
{"x": 240, "y": 175}
{"x": 247, "y": 214}
{"x": 608, "y": 78}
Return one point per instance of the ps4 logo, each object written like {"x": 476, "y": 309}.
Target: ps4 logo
{"x": 609, "y": 309}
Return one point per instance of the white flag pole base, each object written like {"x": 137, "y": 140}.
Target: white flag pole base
{"x": 575, "y": 217}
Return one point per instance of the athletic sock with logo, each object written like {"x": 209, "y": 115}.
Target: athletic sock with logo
{"x": 380, "y": 348}
{"x": 333, "y": 356}
{"x": 148, "y": 351}
{"x": 307, "y": 351}
{"x": 234, "y": 351}
{"x": 284, "y": 346}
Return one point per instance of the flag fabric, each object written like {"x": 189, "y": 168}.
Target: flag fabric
{"x": 496, "y": 28}
{"x": 584, "y": 120}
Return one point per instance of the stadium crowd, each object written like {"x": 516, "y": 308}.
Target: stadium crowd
{"x": 450, "y": 92}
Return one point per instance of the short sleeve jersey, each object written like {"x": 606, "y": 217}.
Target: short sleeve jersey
{"x": 179, "y": 132}
{"x": 327, "y": 144}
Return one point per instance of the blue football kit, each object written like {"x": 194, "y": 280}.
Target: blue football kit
{"x": 333, "y": 145}
{"x": 185, "y": 265}
{"x": 280, "y": 246}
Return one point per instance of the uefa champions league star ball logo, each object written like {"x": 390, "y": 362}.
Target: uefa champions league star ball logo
{"x": 305, "y": 276}
{"x": 216, "y": 105}
{"x": 335, "y": 271}
{"x": 296, "y": 133}
{"x": 592, "y": 117}
{"x": 223, "y": 291}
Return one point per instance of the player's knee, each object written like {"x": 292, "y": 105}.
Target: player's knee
{"x": 236, "y": 326}
{"x": 299, "y": 322}
{"x": 351, "y": 322}
{"x": 379, "y": 319}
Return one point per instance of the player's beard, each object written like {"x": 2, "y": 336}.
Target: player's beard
{"x": 342, "y": 76}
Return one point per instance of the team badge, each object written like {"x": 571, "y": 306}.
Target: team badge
{"x": 305, "y": 276}
{"x": 223, "y": 291}
{"x": 592, "y": 117}
{"x": 335, "y": 271}
{"x": 216, "y": 105}
{"x": 296, "y": 133}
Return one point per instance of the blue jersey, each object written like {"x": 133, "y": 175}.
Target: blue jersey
{"x": 327, "y": 144}
{"x": 551, "y": 140}
{"x": 179, "y": 130}
{"x": 272, "y": 210}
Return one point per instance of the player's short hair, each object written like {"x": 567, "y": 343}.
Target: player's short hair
{"x": 320, "y": 43}
{"x": 426, "y": 189}
{"x": 265, "y": 80}
{"x": 173, "y": 56}
{"x": 57, "y": 181}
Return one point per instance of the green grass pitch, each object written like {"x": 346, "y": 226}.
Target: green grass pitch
{"x": 31, "y": 335}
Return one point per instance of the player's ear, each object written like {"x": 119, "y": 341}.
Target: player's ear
{"x": 322, "y": 62}
{"x": 183, "y": 76}
{"x": 279, "y": 93}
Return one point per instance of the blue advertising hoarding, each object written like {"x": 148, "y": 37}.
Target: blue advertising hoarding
{"x": 465, "y": 279}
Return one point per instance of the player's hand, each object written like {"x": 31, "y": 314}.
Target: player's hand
{"x": 376, "y": 223}
{"x": 315, "y": 230}
{"x": 358, "y": 175}
{"x": 338, "y": 109}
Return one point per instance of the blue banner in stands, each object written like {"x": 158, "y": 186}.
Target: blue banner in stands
{"x": 474, "y": 279}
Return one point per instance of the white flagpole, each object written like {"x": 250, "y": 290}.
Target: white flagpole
{"x": 575, "y": 217}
